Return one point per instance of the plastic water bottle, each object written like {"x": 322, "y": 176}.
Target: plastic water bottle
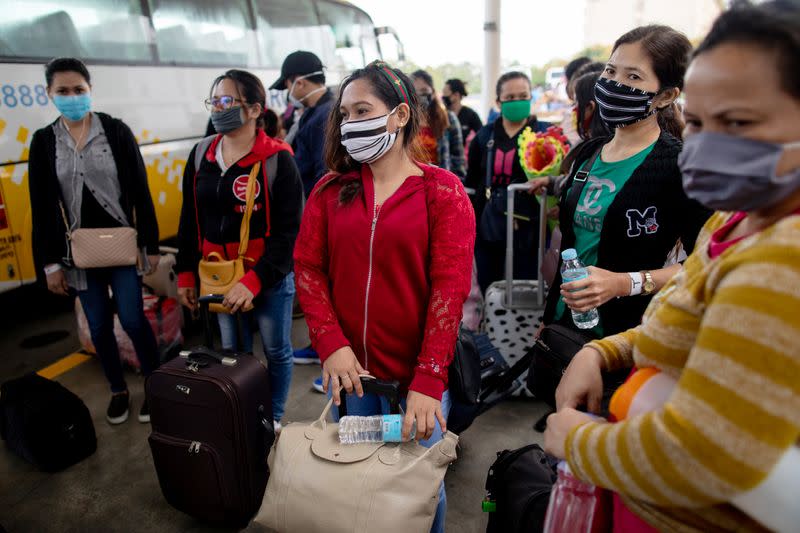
{"x": 572, "y": 270}
{"x": 380, "y": 428}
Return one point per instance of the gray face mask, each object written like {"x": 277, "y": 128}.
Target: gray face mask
{"x": 228, "y": 120}
{"x": 729, "y": 173}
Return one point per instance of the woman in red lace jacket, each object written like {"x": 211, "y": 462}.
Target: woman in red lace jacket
{"x": 384, "y": 256}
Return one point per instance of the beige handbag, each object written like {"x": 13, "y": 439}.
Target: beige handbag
{"x": 101, "y": 247}
{"x": 218, "y": 275}
{"x": 318, "y": 484}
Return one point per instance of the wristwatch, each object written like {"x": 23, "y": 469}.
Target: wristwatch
{"x": 649, "y": 286}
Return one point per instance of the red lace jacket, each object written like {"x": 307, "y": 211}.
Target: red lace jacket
{"x": 389, "y": 281}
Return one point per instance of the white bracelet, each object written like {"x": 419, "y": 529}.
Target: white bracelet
{"x": 52, "y": 268}
{"x": 636, "y": 283}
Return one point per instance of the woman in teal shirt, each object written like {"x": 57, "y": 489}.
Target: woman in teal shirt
{"x": 623, "y": 207}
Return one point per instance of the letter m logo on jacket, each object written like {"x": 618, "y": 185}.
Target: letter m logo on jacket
{"x": 638, "y": 221}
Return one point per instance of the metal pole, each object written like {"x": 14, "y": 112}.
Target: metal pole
{"x": 491, "y": 54}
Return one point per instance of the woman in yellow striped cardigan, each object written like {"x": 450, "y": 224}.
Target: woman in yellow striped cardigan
{"x": 727, "y": 327}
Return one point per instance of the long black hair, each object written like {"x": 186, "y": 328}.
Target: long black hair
{"x": 597, "y": 129}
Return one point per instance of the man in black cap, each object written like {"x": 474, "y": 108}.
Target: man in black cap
{"x": 303, "y": 77}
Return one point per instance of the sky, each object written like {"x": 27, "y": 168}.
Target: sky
{"x": 435, "y": 32}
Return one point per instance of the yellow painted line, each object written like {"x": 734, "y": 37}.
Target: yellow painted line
{"x": 63, "y": 365}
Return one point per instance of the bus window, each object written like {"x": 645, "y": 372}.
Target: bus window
{"x": 204, "y": 32}
{"x": 90, "y": 29}
{"x": 285, "y": 26}
{"x": 353, "y": 31}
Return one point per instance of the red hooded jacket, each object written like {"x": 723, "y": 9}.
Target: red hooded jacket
{"x": 389, "y": 281}
{"x": 213, "y": 206}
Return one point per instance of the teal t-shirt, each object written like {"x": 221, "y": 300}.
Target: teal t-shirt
{"x": 602, "y": 185}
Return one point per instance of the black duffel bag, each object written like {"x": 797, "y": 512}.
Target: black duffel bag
{"x": 44, "y": 423}
{"x": 518, "y": 488}
{"x": 464, "y": 374}
{"x": 552, "y": 353}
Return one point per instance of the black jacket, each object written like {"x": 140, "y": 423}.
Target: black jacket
{"x": 48, "y": 239}
{"x": 631, "y": 240}
{"x": 506, "y": 148}
{"x": 213, "y": 206}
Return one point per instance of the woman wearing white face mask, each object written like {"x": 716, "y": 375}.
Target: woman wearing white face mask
{"x": 384, "y": 256}
{"x": 720, "y": 454}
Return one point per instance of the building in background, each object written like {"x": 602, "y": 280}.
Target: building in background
{"x": 606, "y": 20}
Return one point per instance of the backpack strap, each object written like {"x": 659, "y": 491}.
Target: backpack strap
{"x": 578, "y": 182}
{"x": 272, "y": 171}
{"x": 201, "y": 149}
{"x": 489, "y": 164}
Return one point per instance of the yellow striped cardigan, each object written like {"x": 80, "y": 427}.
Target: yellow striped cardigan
{"x": 729, "y": 330}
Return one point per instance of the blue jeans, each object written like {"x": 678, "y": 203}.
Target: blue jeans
{"x": 126, "y": 285}
{"x": 370, "y": 404}
{"x": 273, "y": 314}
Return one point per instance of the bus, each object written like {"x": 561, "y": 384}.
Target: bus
{"x": 152, "y": 62}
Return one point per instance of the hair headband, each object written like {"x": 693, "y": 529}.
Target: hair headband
{"x": 397, "y": 84}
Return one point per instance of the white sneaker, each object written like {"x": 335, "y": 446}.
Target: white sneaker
{"x": 277, "y": 427}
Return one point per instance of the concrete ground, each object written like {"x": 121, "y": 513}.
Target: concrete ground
{"x": 116, "y": 489}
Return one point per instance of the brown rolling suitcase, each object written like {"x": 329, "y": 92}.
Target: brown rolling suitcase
{"x": 211, "y": 416}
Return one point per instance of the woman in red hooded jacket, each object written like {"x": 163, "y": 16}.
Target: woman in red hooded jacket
{"x": 384, "y": 256}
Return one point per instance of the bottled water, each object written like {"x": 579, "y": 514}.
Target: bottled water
{"x": 572, "y": 270}
{"x": 380, "y": 428}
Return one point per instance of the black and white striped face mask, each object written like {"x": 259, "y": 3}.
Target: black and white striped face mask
{"x": 367, "y": 140}
{"x": 622, "y": 105}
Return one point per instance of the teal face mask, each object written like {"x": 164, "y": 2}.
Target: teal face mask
{"x": 74, "y": 107}
{"x": 515, "y": 110}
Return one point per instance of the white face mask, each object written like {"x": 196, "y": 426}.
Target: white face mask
{"x": 368, "y": 140}
{"x": 297, "y": 103}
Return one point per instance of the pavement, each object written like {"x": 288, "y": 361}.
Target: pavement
{"x": 116, "y": 489}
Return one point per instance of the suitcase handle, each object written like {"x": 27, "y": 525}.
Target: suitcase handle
{"x": 512, "y": 189}
{"x": 196, "y": 357}
{"x": 389, "y": 389}
{"x": 205, "y": 301}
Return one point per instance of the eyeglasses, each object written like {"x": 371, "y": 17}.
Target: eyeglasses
{"x": 223, "y": 102}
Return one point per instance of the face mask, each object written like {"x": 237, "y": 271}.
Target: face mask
{"x": 729, "y": 173}
{"x": 73, "y": 107}
{"x": 425, "y": 99}
{"x": 447, "y": 101}
{"x": 367, "y": 140}
{"x": 515, "y": 110}
{"x": 621, "y": 105}
{"x": 228, "y": 120}
{"x": 297, "y": 103}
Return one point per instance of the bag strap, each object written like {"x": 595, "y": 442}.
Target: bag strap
{"x": 201, "y": 149}
{"x": 244, "y": 231}
{"x": 272, "y": 171}
{"x": 489, "y": 164}
{"x": 579, "y": 182}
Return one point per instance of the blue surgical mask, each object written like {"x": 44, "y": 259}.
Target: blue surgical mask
{"x": 74, "y": 107}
